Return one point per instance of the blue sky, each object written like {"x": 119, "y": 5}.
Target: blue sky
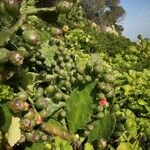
{"x": 137, "y": 19}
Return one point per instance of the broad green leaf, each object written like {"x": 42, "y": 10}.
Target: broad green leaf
{"x": 88, "y": 146}
{"x": 124, "y": 146}
{"x": 5, "y": 118}
{"x": 14, "y": 133}
{"x": 133, "y": 48}
{"x": 49, "y": 52}
{"x": 79, "y": 108}
{"x": 62, "y": 144}
{"x": 130, "y": 124}
{"x": 37, "y": 146}
{"x": 28, "y": 79}
{"x": 5, "y": 92}
{"x": 81, "y": 60}
{"x": 103, "y": 128}
{"x": 4, "y": 37}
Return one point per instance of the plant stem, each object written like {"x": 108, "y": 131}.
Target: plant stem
{"x": 37, "y": 10}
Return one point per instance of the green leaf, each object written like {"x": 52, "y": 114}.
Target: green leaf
{"x": 88, "y": 146}
{"x": 81, "y": 60}
{"x": 61, "y": 144}
{"x": 49, "y": 52}
{"x": 37, "y": 146}
{"x": 102, "y": 128}
{"x": 28, "y": 79}
{"x": 130, "y": 124}
{"x": 124, "y": 146}
{"x": 4, "y": 37}
{"x": 5, "y": 118}
{"x": 5, "y": 92}
{"x": 14, "y": 132}
{"x": 79, "y": 108}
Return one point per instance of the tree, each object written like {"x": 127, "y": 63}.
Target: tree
{"x": 104, "y": 12}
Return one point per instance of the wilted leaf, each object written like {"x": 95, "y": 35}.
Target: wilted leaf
{"x": 14, "y": 132}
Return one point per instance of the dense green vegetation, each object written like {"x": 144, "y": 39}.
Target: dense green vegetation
{"x": 66, "y": 85}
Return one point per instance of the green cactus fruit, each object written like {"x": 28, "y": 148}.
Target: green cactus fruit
{"x": 89, "y": 65}
{"x": 120, "y": 127}
{"x": 44, "y": 113}
{"x": 52, "y": 107}
{"x": 32, "y": 136}
{"x": 23, "y": 52}
{"x": 101, "y": 96}
{"x": 22, "y": 95}
{"x": 42, "y": 57}
{"x": 62, "y": 72}
{"x": 64, "y": 6}
{"x": 58, "y": 96}
{"x": 53, "y": 63}
{"x": 100, "y": 115}
{"x": 62, "y": 65}
{"x": 56, "y": 31}
{"x": 80, "y": 78}
{"x": 90, "y": 127}
{"x": 41, "y": 103}
{"x": 110, "y": 94}
{"x": 80, "y": 69}
{"x": 32, "y": 37}
{"x": 109, "y": 78}
{"x": 100, "y": 108}
{"x": 30, "y": 114}
{"x": 73, "y": 80}
{"x": 65, "y": 96}
{"x": 62, "y": 113}
{"x": 60, "y": 58}
{"x": 115, "y": 107}
{"x": 88, "y": 78}
{"x": 98, "y": 69}
{"x": 25, "y": 124}
{"x": 17, "y": 106}
{"x": 102, "y": 144}
{"x": 67, "y": 57}
{"x": 50, "y": 90}
{"x": 39, "y": 93}
{"x": 108, "y": 88}
{"x": 15, "y": 58}
{"x": 67, "y": 85}
{"x": 3, "y": 55}
{"x": 68, "y": 66}
{"x": 102, "y": 85}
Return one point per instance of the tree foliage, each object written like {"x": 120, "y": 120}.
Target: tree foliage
{"x": 104, "y": 12}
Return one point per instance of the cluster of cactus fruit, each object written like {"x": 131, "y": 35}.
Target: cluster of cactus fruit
{"x": 57, "y": 86}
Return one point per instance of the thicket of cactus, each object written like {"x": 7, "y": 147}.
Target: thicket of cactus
{"x": 66, "y": 85}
